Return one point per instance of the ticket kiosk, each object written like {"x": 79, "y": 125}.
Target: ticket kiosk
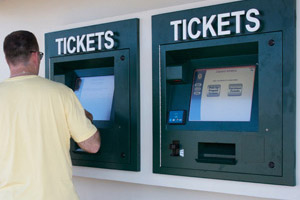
{"x": 224, "y": 92}
{"x": 101, "y": 64}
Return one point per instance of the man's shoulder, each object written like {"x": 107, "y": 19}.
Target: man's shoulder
{"x": 49, "y": 84}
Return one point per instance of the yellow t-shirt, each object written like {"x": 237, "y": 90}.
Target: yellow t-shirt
{"x": 37, "y": 119}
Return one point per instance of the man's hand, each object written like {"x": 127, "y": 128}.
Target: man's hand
{"x": 88, "y": 115}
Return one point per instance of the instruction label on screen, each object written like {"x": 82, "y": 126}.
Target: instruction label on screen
{"x": 222, "y": 94}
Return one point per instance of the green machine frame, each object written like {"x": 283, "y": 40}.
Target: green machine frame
{"x": 261, "y": 150}
{"x": 101, "y": 50}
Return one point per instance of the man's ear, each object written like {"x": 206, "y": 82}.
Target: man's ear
{"x": 34, "y": 58}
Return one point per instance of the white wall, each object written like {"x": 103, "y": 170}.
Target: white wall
{"x": 114, "y": 190}
{"x": 41, "y": 16}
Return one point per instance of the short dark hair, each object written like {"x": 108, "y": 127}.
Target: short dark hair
{"x": 18, "y": 46}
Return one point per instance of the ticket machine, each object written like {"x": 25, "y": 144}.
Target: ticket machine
{"x": 224, "y": 92}
{"x": 100, "y": 64}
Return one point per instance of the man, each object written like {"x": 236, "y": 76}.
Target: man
{"x": 37, "y": 119}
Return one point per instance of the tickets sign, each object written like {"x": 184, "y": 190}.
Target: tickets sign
{"x": 216, "y": 25}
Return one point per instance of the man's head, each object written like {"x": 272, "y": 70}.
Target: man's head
{"x": 18, "y": 47}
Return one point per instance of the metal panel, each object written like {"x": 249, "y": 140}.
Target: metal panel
{"x": 262, "y": 150}
{"x": 120, "y": 137}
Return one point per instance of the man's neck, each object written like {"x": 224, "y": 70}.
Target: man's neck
{"x": 22, "y": 73}
{"x": 22, "y": 70}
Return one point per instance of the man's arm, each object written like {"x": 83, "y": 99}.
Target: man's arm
{"x": 92, "y": 144}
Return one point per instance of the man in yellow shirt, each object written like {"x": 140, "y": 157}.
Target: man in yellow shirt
{"x": 37, "y": 119}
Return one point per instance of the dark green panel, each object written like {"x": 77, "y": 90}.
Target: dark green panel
{"x": 260, "y": 150}
{"x": 120, "y": 139}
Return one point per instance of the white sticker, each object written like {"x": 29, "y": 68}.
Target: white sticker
{"x": 181, "y": 152}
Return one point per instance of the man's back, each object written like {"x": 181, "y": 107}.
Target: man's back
{"x": 37, "y": 118}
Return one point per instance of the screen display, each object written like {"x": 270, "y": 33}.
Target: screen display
{"x": 222, "y": 94}
{"x": 96, "y": 95}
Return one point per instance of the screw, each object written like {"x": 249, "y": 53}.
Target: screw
{"x": 122, "y": 57}
{"x": 271, "y": 165}
{"x": 271, "y": 42}
{"x": 123, "y": 155}
{"x": 267, "y": 130}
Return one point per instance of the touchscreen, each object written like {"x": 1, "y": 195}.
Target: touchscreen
{"x": 96, "y": 95}
{"x": 222, "y": 94}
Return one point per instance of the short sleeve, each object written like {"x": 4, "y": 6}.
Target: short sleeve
{"x": 80, "y": 126}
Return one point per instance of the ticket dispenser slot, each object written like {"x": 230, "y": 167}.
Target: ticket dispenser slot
{"x": 216, "y": 153}
{"x": 221, "y": 91}
{"x": 100, "y": 63}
